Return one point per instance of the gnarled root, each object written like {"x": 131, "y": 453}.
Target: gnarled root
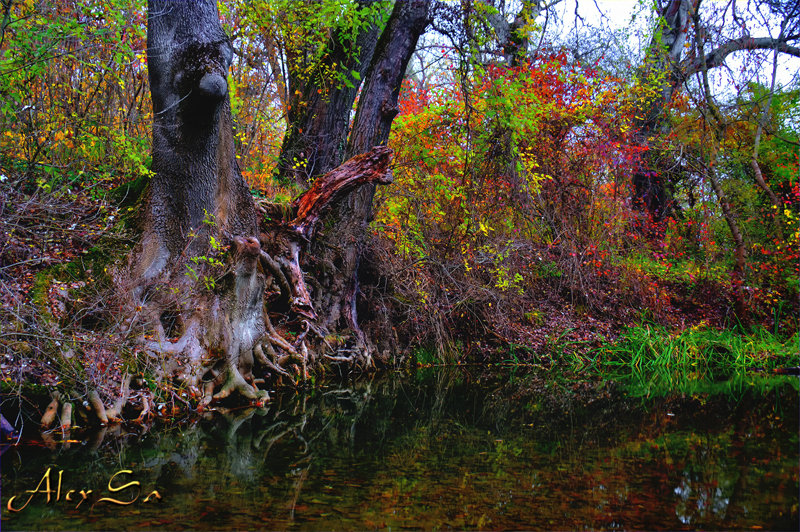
{"x": 235, "y": 382}
{"x": 49, "y": 415}
{"x": 98, "y": 407}
{"x": 115, "y": 412}
{"x": 272, "y": 365}
{"x": 147, "y": 408}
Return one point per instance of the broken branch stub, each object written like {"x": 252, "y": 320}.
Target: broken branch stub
{"x": 369, "y": 167}
{"x": 285, "y": 240}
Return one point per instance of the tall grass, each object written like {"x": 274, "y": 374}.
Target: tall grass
{"x": 652, "y": 360}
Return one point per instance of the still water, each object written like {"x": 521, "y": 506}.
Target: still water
{"x": 436, "y": 449}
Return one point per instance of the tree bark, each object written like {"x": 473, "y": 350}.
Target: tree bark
{"x": 195, "y": 173}
{"x": 338, "y": 251}
{"x": 197, "y": 204}
{"x": 320, "y": 103}
{"x": 513, "y": 44}
{"x": 662, "y": 67}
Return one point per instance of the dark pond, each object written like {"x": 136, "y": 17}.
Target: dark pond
{"x": 438, "y": 449}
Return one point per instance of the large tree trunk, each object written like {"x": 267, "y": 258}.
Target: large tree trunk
{"x": 317, "y": 141}
{"x": 337, "y": 252}
{"x": 194, "y": 164}
{"x": 200, "y": 310}
{"x": 662, "y": 69}
{"x": 197, "y": 206}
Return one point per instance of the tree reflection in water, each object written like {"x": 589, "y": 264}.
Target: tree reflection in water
{"x": 443, "y": 449}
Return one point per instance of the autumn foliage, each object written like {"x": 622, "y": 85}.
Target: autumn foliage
{"x": 513, "y": 186}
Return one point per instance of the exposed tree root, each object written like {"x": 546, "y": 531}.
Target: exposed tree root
{"x": 235, "y": 382}
{"x": 274, "y": 268}
{"x": 66, "y": 416}
{"x": 93, "y": 406}
{"x": 115, "y": 412}
{"x": 269, "y": 364}
{"x": 49, "y": 415}
{"x": 226, "y": 343}
{"x": 146, "y": 411}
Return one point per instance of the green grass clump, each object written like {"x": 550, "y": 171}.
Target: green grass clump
{"x": 685, "y": 271}
{"x": 652, "y": 360}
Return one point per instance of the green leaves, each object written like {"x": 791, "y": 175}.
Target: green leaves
{"x": 73, "y": 87}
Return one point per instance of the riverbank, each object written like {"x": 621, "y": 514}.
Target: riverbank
{"x": 62, "y": 334}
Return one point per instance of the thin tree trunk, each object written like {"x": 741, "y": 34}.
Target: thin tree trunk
{"x": 759, "y": 177}
{"x": 276, "y": 65}
{"x": 727, "y": 212}
{"x": 717, "y": 124}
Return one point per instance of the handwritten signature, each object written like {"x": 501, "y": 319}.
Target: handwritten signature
{"x": 44, "y": 488}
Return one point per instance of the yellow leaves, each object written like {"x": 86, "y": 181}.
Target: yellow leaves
{"x": 535, "y": 180}
{"x": 23, "y": 9}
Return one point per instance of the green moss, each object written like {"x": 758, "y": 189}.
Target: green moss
{"x": 29, "y": 390}
{"x": 38, "y": 294}
{"x": 128, "y": 194}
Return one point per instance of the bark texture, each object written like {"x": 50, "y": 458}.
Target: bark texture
{"x": 194, "y": 164}
{"x": 197, "y": 206}
{"x": 337, "y": 253}
{"x": 320, "y": 103}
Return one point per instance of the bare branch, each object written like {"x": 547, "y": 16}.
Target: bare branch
{"x": 717, "y": 56}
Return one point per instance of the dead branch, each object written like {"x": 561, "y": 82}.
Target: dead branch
{"x": 370, "y": 167}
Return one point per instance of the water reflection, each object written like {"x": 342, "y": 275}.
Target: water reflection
{"x": 438, "y": 449}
